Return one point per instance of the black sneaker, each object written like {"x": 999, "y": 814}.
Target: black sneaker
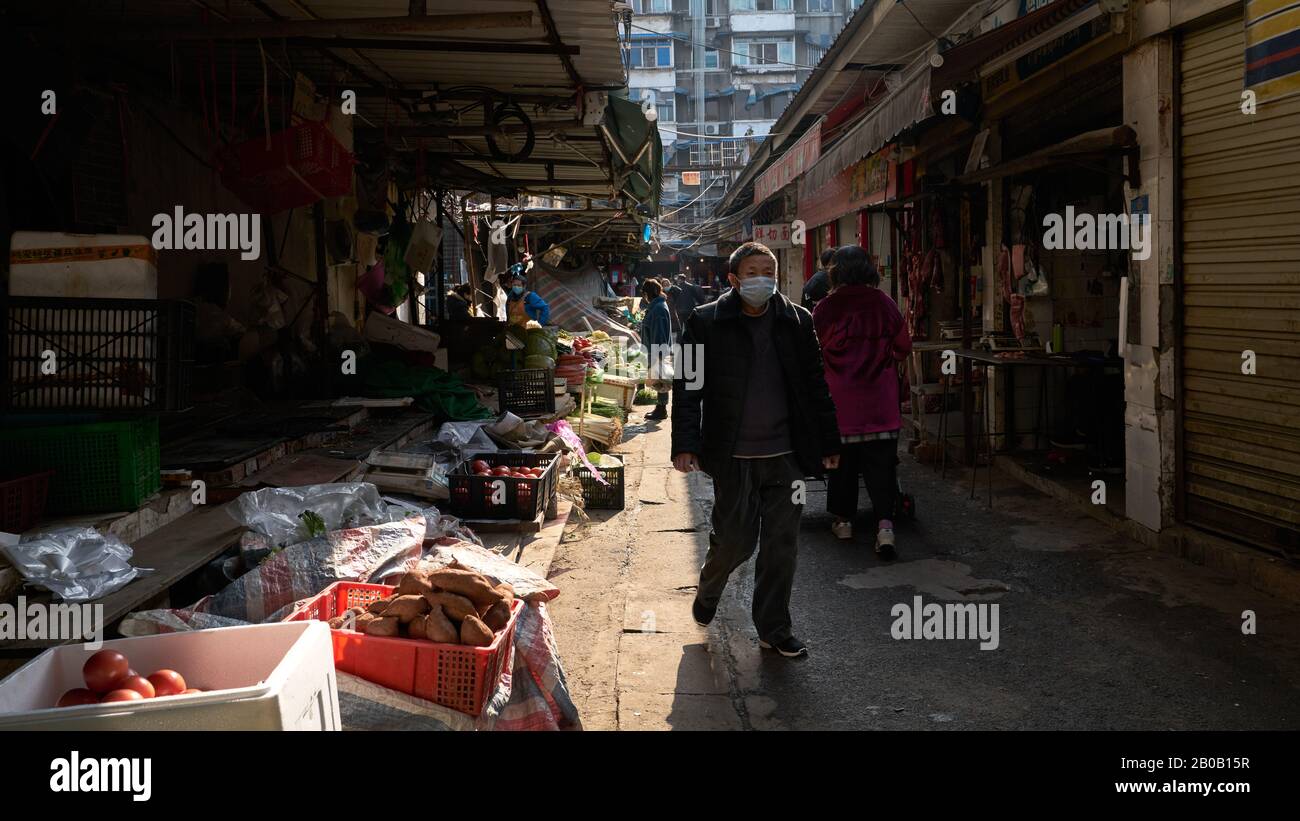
{"x": 790, "y": 648}
{"x": 657, "y": 413}
{"x": 703, "y": 615}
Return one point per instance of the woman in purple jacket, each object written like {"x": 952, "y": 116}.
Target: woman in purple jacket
{"x": 863, "y": 338}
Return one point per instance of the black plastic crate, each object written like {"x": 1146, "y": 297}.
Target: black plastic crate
{"x": 598, "y": 496}
{"x": 103, "y": 355}
{"x": 528, "y": 392}
{"x": 471, "y": 496}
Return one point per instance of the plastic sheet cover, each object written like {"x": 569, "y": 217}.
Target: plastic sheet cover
{"x": 74, "y": 563}
{"x": 279, "y": 513}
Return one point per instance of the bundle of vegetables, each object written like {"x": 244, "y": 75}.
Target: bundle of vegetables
{"x": 607, "y": 408}
{"x": 452, "y": 605}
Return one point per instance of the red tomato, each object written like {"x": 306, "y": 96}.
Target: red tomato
{"x": 121, "y": 695}
{"x": 501, "y": 470}
{"x": 140, "y": 684}
{"x": 537, "y": 473}
{"x": 480, "y": 466}
{"x": 75, "y": 696}
{"x": 103, "y": 669}
{"x": 167, "y": 682}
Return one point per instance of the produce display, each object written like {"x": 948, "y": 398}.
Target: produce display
{"x": 451, "y": 605}
{"x": 109, "y": 678}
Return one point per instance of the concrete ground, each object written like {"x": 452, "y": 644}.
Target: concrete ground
{"x": 1096, "y": 632}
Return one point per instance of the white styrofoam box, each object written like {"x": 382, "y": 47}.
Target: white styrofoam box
{"x": 111, "y": 266}
{"x": 390, "y": 331}
{"x": 256, "y": 677}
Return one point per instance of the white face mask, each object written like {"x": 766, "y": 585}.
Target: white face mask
{"x": 756, "y": 291}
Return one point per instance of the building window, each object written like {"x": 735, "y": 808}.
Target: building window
{"x": 762, "y": 52}
{"x": 652, "y": 52}
{"x": 821, "y": 5}
{"x": 655, "y": 6}
{"x": 710, "y": 58}
{"x": 762, "y": 5}
{"x": 664, "y": 105}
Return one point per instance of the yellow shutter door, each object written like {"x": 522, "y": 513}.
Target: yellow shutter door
{"x": 1241, "y": 292}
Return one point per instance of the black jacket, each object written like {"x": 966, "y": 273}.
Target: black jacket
{"x": 706, "y": 419}
{"x": 816, "y": 289}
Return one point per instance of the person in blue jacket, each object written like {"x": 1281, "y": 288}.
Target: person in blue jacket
{"x": 523, "y": 304}
{"x": 657, "y": 336}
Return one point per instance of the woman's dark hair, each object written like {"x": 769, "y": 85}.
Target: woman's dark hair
{"x": 826, "y": 256}
{"x": 852, "y": 266}
{"x": 651, "y": 289}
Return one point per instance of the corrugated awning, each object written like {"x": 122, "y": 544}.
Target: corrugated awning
{"x": 909, "y": 105}
{"x": 961, "y": 63}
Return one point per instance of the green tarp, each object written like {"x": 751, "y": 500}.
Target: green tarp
{"x": 639, "y": 156}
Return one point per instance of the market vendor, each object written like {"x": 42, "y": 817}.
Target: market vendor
{"x": 523, "y": 304}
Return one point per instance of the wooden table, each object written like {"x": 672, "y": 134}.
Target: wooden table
{"x": 173, "y": 552}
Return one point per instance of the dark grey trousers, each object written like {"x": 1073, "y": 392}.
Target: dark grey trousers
{"x": 754, "y": 508}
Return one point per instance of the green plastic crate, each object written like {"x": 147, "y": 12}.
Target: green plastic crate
{"x": 98, "y": 467}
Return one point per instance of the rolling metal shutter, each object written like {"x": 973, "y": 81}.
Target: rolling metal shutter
{"x": 1241, "y": 291}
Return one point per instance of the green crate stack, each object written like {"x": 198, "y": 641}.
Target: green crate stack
{"x": 98, "y": 466}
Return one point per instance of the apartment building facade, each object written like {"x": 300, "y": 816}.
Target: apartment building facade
{"x": 718, "y": 74}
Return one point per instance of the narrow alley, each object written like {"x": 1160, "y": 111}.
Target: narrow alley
{"x": 1096, "y": 632}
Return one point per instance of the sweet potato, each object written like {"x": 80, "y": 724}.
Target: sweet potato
{"x": 362, "y": 620}
{"x": 378, "y": 606}
{"x": 437, "y": 627}
{"x": 474, "y": 632}
{"x": 406, "y": 608}
{"x": 386, "y": 626}
{"x": 415, "y": 630}
{"x": 355, "y": 611}
{"x": 415, "y": 583}
{"x": 471, "y": 585}
{"x": 456, "y": 607}
{"x": 507, "y": 592}
{"x": 497, "y": 616}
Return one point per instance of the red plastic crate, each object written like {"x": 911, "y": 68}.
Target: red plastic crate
{"x": 302, "y": 165}
{"x": 22, "y": 501}
{"x": 453, "y": 675}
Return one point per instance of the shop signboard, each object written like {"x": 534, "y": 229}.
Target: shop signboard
{"x": 790, "y": 165}
{"x": 870, "y": 181}
{"x": 776, "y": 235}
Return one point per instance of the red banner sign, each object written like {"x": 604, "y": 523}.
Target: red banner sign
{"x": 792, "y": 163}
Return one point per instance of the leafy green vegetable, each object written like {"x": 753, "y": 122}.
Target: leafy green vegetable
{"x": 313, "y": 523}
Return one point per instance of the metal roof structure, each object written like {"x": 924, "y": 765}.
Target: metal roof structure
{"x": 434, "y": 83}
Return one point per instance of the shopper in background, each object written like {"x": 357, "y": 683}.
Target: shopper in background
{"x": 656, "y": 336}
{"x": 819, "y": 284}
{"x": 689, "y": 296}
{"x": 863, "y": 338}
{"x": 523, "y": 304}
{"x": 757, "y": 419}
{"x": 459, "y": 302}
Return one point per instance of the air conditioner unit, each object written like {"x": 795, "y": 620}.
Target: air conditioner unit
{"x": 712, "y": 128}
{"x": 713, "y": 22}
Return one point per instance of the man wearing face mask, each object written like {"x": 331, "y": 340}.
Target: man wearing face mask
{"x": 757, "y": 417}
{"x": 523, "y": 304}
